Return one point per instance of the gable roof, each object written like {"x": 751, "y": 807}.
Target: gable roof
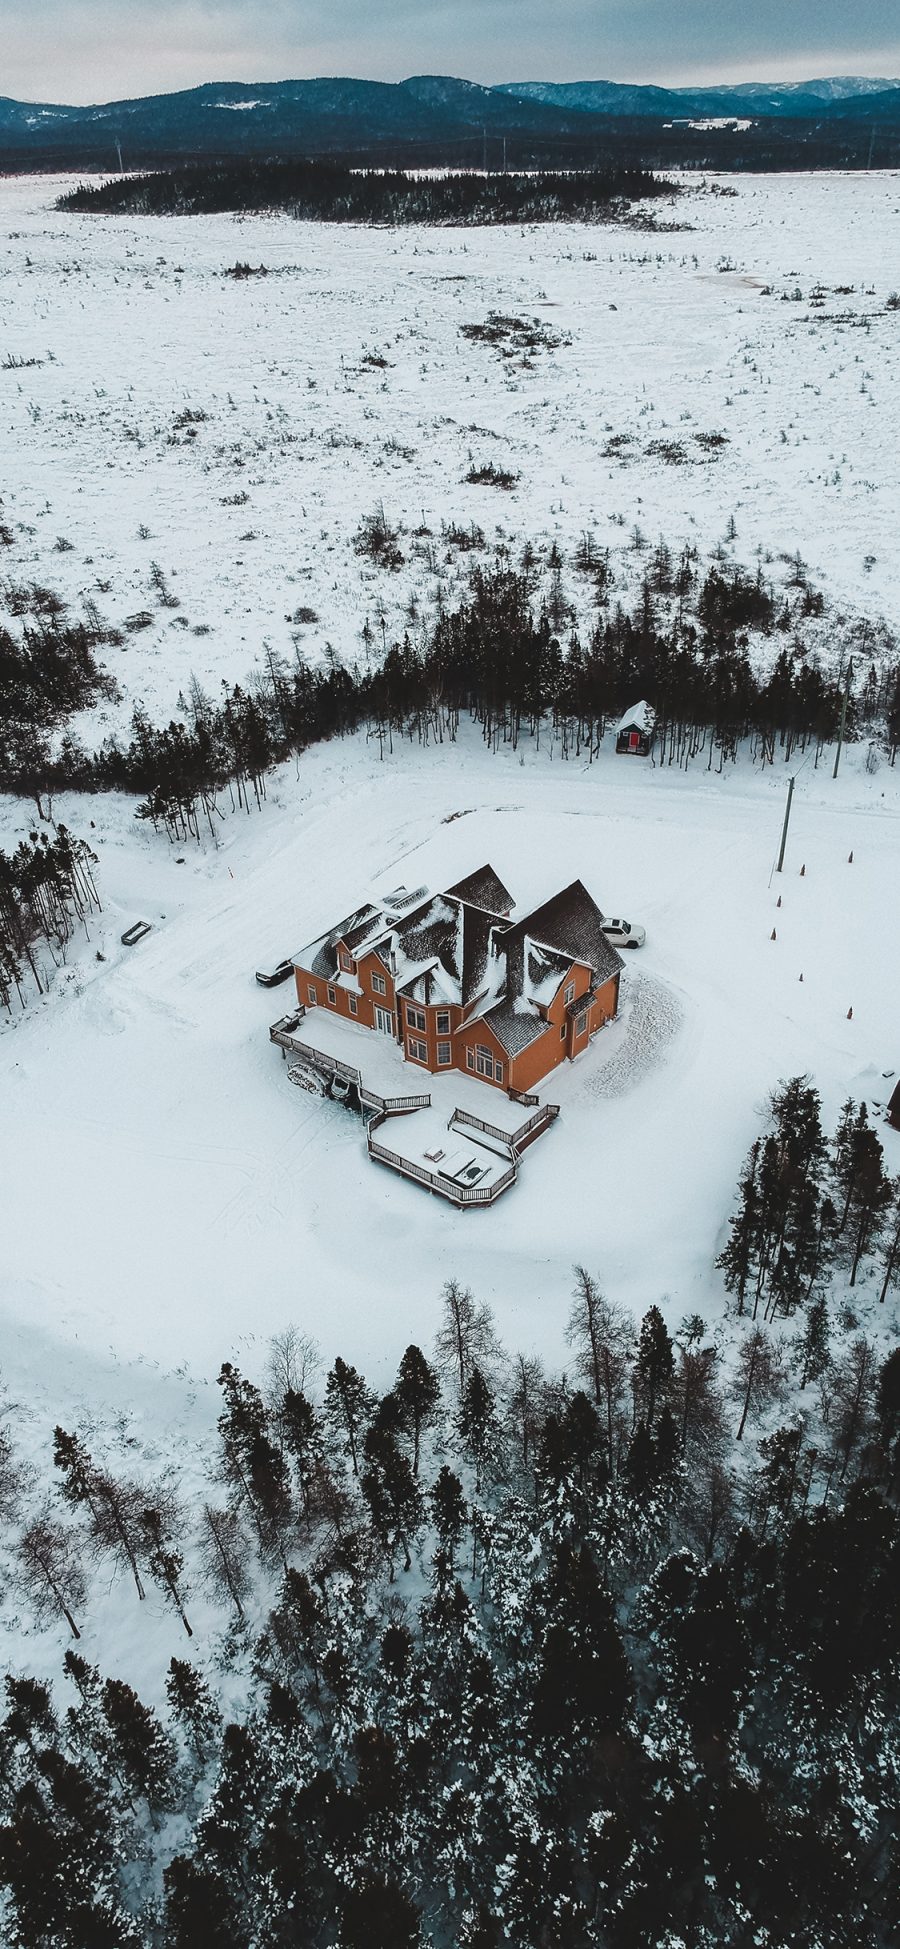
{"x": 363, "y": 927}
{"x": 484, "y": 888}
{"x": 641, "y": 717}
{"x": 572, "y": 924}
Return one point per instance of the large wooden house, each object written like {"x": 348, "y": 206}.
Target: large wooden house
{"x": 463, "y": 983}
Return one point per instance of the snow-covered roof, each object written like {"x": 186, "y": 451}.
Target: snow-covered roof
{"x": 484, "y": 888}
{"x": 356, "y": 930}
{"x": 446, "y": 950}
{"x": 514, "y": 1027}
{"x": 641, "y": 717}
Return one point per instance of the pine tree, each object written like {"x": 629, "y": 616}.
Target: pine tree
{"x": 303, "y": 1434}
{"x": 194, "y": 1706}
{"x": 349, "y": 1404}
{"x": 477, "y": 1425}
{"x": 143, "y": 1753}
{"x": 448, "y": 1512}
{"x": 892, "y": 1251}
{"x": 418, "y": 1392}
{"x": 654, "y": 1366}
{"x": 740, "y": 1255}
{"x": 813, "y": 1345}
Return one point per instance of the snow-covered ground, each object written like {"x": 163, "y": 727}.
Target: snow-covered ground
{"x": 172, "y": 1198}
{"x": 341, "y": 380}
{"x": 168, "y": 1200}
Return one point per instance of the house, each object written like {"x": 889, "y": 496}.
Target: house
{"x": 462, "y": 982}
{"x": 893, "y": 1109}
{"x": 636, "y": 731}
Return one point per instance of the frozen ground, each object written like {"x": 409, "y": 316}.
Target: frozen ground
{"x": 341, "y": 381}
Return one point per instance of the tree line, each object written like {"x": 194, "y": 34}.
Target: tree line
{"x": 330, "y": 192}
{"x": 47, "y": 889}
{"x": 510, "y": 658}
{"x": 510, "y": 1656}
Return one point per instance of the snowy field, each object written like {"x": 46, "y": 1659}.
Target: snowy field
{"x": 197, "y": 1203}
{"x": 153, "y": 409}
{"x": 174, "y": 1201}
{"x": 169, "y": 1201}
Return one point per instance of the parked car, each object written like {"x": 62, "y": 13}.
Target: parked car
{"x": 272, "y": 977}
{"x": 624, "y": 933}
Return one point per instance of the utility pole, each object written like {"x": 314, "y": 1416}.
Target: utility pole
{"x": 484, "y": 150}
{"x": 504, "y": 155}
{"x": 119, "y": 154}
{"x": 784, "y": 829}
{"x": 849, "y": 680}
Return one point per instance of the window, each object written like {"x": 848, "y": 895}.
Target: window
{"x": 345, "y": 961}
{"x": 418, "y": 1050}
{"x": 470, "y": 1058}
{"x": 312, "y": 995}
{"x": 443, "y": 1022}
{"x": 351, "y": 1002}
{"x": 379, "y": 985}
{"x": 484, "y": 1061}
{"x": 415, "y": 1017}
{"x": 498, "y": 1072}
{"x": 570, "y": 993}
{"x": 581, "y": 1021}
{"x": 332, "y": 995}
{"x": 443, "y": 1054}
{"x": 562, "y": 1031}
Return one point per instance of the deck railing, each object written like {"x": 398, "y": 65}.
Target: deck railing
{"x": 478, "y": 1123}
{"x": 458, "y": 1194}
{"x": 282, "y": 1031}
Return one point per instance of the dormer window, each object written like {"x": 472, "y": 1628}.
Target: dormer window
{"x": 345, "y": 961}
{"x": 570, "y": 993}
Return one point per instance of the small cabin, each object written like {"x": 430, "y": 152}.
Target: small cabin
{"x": 893, "y": 1109}
{"x": 636, "y": 730}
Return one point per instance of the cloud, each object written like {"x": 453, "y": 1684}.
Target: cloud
{"x": 95, "y": 50}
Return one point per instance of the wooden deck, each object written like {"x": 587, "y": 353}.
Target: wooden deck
{"x": 498, "y": 1149}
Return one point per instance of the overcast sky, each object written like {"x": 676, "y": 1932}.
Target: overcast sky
{"x": 96, "y": 50}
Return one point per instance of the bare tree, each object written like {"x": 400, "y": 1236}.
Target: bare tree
{"x": 852, "y": 1393}
{"x": 295, "y": 1359}
{"x": 697, "y": 1399}
{"x": 14, "y": 1479}
{"x": 225, "y": 1554}
{"x": 525, "y": 1399}
{"x": 164, "y": 1562}
{"x": 711, "y": 1506}
{"x": 113, "y": 1508}
{"x": 603, "y": 1336}
{"x": 466, "y": 1338}
{"x": 50, "y": 1568}
{"x": 757, "y": 1379}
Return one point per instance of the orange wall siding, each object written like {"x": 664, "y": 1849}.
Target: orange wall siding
{"x": 429, "y": 1037}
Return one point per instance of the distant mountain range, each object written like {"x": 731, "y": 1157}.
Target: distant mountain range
{"x": 329, "y": 115}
